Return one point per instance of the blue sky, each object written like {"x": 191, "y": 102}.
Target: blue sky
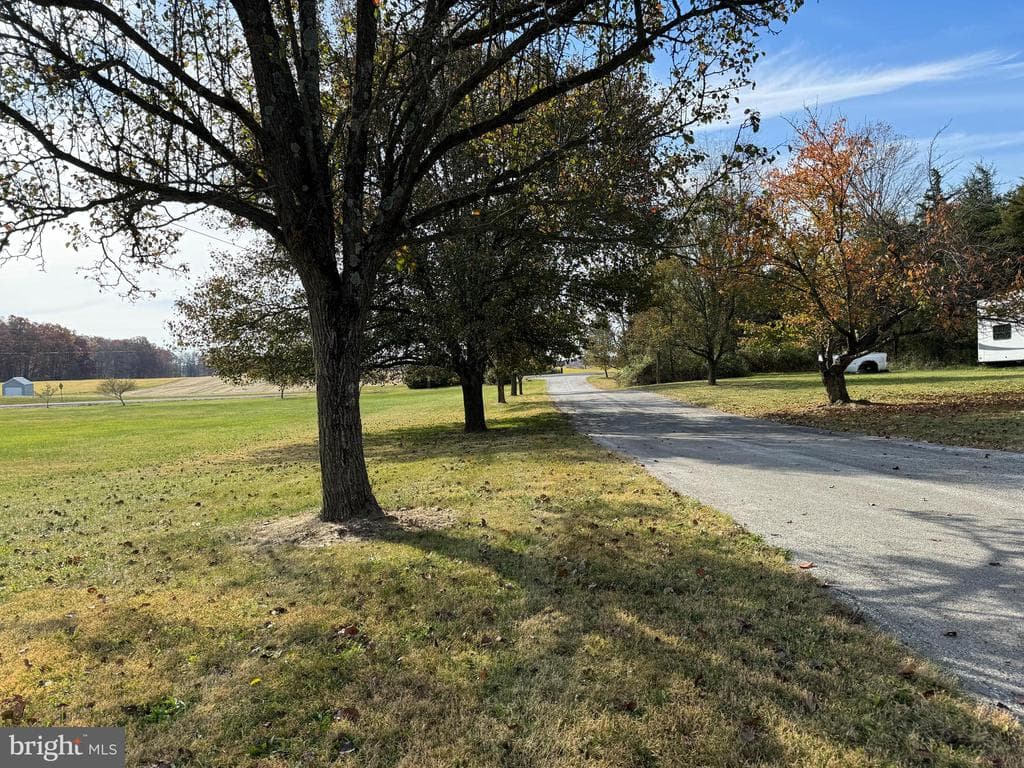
{"x": 917, "y": 65}
{"x": 920, "y": 66}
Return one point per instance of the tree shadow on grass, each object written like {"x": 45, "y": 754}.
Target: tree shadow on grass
{"x": 599, "y": 622}
{"x": 503, "y": 441}
{"x": 623, "y": 634}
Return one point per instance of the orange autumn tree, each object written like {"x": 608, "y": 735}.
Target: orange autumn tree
{"x": 843, "y": 242}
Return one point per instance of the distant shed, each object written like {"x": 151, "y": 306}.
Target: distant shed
{"x": 19, "y": 386}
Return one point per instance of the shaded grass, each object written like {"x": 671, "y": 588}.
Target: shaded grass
{"x": 981, "y": 407}
{"x": 579, "y": 613}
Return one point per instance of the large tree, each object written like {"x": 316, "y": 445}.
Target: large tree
{"x": 857, "y": 256}
{"x": 250, "y": 321}
{"x": 315, "y": 123}
{"x": 710, "y": 286}
{"x": 840, "y": 242}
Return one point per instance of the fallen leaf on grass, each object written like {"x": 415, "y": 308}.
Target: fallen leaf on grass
{"x": 805, "y": 565}
{"x": 908, "y": 669}
{"x": 347, "y": 713}
{"x": 12, "y": 708}
{"x": 345, "y": 746}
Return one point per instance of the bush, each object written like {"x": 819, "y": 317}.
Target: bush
{"x": 732, "y": 367}
{"x": 428, "y": 377}
{"x": 685, "y": 367}
{"x": 634, "y": 372}
{"x": 762, "y": 357}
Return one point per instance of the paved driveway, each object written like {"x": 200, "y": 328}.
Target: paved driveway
{"x": 925, "y": 539}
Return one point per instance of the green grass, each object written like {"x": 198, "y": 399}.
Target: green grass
{"x": 577, "y": 614}
{"x": 981, "y": 407}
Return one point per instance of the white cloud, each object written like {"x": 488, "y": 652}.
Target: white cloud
{"x": 959, "y": 141}
{"x": 65, "y": 293}
{"x": 786, "y": 83}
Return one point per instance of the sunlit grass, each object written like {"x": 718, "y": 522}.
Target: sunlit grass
{"x": 578, "y": 614}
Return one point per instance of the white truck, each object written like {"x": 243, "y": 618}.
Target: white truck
{"x": 872, "y": 362}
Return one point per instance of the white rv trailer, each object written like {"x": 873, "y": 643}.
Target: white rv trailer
{"x": 999, "y": 340}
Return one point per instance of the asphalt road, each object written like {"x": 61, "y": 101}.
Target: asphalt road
{"x": 926, "y": 540}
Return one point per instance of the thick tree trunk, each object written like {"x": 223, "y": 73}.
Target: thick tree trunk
{"x": 336, "y": 333}
{"x": 501, "y": 389}
{"x": 834, "y": 379}
{"x": 514, "y": 385}
{"x": 521, "y": 390}
{"x": 473, "y": 401}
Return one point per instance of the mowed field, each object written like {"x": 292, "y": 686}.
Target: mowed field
{"x": 569, "y": 611}
{"x": 148, "y": 389}
{"x": 981, "y": 407}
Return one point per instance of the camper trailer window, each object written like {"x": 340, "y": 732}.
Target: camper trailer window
{"x": 1001, "y": 332}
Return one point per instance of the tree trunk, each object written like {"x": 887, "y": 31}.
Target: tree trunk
{"x": 712, "y": 373}
{"x": 336, "y": 333}
{"x": 521, "y": 390}
{"x": 501, "y": 388}
{"x": 473, "y": 401}
{"x": 834, "y": 379}
{"x": 515, "y": 385}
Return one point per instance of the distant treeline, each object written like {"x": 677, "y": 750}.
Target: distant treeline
{"x": 46, "y": 351}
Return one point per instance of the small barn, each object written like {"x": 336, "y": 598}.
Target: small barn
{"x": 19, "y": 386}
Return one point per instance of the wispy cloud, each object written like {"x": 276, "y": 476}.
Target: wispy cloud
{"x": 979, "y": 142}
{"x": 786, "y": 83}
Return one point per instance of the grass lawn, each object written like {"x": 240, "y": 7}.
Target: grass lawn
{"x": 576, "y": 614}
{"x": 592, "y": 370}
{"x": 982, "y": 407}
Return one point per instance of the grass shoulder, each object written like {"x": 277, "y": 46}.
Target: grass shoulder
{"x": 577, "y": 613}
{"x": 980, "y": 407}
{"x": 604, "y": 382}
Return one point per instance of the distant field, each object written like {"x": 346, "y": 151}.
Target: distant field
{"x": 575, "y": 614}
{"x": 78, "y": 389}
{"x": 208, "y": 386}
{"x": 198, "y": 386}
{"x": 982, "y": 407}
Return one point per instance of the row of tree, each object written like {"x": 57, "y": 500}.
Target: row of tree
{"x": 46, "y": 351}
{"x": 853, "y": 245}
{"x": 373, "y": 143}
{"x": 503, "y": 288}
